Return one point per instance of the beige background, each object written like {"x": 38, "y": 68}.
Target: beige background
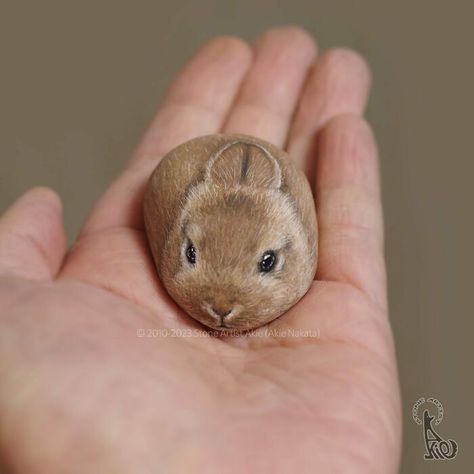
{"x": 79, "y": 81}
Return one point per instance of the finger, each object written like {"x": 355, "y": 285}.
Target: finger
{"x": 196, "y": 104}
{"x": 269, "y": 94}
{"x": 349, "y": 208}
{"x": 338, "y": 84}
{"x": 32, "y": 238}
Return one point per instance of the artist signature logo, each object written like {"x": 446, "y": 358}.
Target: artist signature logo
{"x": 436, "y": 448}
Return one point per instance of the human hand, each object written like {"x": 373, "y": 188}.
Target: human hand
{"x": 81, "y": 392}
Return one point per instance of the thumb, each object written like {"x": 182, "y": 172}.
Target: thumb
{"x": 32, "y": 237}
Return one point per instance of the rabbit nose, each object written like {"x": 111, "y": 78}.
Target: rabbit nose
{"x": 221, "y": 311}
{"x": 221, "y": 304}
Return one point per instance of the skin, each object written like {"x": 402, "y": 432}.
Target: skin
{"x": 80, "y": 392}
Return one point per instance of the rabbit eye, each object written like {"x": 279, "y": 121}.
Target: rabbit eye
{"x": 267, "y": 261}
{"x": 191, "y": 254}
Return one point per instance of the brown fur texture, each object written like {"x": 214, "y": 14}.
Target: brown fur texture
{"x": 233, "y": 198}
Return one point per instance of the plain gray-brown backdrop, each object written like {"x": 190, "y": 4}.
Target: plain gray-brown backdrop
{"x": 79, "y": 82}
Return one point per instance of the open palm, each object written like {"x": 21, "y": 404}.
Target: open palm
{"x": 101, "y": 372}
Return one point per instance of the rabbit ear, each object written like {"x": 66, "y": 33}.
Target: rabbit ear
{"x": 247, "y": 164}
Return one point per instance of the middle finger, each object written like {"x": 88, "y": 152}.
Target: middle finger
{"x": 269, "y": 94}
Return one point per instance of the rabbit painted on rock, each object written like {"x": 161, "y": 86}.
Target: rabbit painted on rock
{"x": 231, "y": 225}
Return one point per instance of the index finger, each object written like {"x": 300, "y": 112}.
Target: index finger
{"x": 196, "y": 104}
